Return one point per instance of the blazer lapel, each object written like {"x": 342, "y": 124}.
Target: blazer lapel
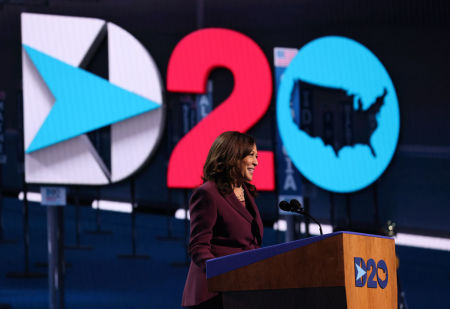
{"x": 255, "y": 211}
{"x": 234, "y": 202}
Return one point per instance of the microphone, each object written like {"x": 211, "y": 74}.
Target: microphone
{"x": 297, "y": 207}
{"x": 285, "y": 206}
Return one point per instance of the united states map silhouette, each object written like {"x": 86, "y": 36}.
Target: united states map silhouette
{"x": 329, "y": 114}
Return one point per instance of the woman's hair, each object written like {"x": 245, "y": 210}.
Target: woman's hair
{"x": 222, "y": 165}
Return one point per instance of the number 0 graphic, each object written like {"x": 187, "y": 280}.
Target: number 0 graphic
{"x": 190, "y": 64}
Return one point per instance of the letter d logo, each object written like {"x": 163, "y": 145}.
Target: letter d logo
{"x": 360, "y": 272}
{"x": 63, "y": 102}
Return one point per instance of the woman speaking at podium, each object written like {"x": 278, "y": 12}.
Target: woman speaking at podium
{"x": 223, "y": 215}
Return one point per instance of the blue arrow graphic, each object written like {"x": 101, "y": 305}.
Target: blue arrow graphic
{"x": 84, "y": 101}
{"x": 361, "y": 272}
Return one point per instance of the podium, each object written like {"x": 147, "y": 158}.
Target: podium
{"x": 337, "y": 270}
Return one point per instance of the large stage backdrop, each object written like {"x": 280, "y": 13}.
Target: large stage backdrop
{"x": 348, "y": 102}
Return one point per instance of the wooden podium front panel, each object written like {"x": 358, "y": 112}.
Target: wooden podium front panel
{"x": 377, "y": 249}
{"x": 318, "y": 264}
{"x": 306, "y": 298}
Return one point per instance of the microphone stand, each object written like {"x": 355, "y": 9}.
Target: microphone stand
{"x": 295, "y": 206}
{"x": 304, "y": 213}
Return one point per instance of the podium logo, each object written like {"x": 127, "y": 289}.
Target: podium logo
{"x": 377, "y": 272}
{"x": 63, "y": 101}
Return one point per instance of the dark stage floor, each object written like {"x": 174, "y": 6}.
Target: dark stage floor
{"x": 98, "y": 278}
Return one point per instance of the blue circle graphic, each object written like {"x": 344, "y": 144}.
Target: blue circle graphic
{"x": 344, "y": 64}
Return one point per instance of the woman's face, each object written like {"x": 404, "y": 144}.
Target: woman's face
{"x": 249, "y": 163}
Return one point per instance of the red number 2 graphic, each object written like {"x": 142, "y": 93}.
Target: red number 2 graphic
{"x": 190, "y": 65}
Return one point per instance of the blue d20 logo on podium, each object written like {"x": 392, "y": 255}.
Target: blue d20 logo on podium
{"x": 370, "y": 273}
{"x": 349, "y": 114}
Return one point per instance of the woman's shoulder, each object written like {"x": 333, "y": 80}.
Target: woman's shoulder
{"x": 207, "y": 187}
{"x": 207, "y": 192}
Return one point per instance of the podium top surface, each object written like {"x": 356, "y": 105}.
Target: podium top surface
{"x": 220, "y": 265}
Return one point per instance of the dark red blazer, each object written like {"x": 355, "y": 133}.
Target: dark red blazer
{"x": 220, "y": 225}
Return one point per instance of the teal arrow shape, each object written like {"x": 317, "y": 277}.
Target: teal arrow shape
{"x": 84, "y": 101}
{"x": 361, "y": 272}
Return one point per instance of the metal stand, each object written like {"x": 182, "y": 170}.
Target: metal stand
{"x": 77, "y": 245}
{"x": 98, "y": 222}
{"x": 26, "y": 244}
{"x": 401, "y": 296}
{"x": 375, "y": 205}
{"x": 26, "y": 229}
{"x": 332, "y": 211}
{"x": 169, "y": 236}
{"x": 133, "y": 254}
{"x": 2, "y": 229}
{"x": 348, "y": 206}
{"x": 56, "y": 270}
{"x": 307, "y": 209}
{"x": 348, "y": 225}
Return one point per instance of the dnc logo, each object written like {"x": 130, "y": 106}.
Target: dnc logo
{"x": 63, "y": 102}
{"x": 377, "y": 272}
